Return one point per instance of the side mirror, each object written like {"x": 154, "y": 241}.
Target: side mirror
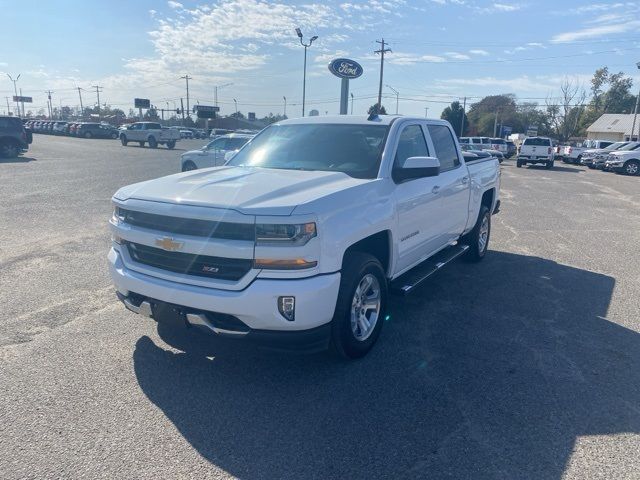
{"x": 229, "y": 155}
{"x": 417, "y": 167}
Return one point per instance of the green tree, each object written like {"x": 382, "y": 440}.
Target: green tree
{"x": 374, "y": 108}
{"x": 454, "y": 114}
{"x": 493, "y": 109}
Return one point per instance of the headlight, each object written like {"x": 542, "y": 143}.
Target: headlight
{"x": 284, "y": 234}
{"x": 117, "y": 217}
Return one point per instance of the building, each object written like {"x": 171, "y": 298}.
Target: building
{"x": 614, "y": 127}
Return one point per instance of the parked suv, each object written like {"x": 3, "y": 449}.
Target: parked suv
{"x": 536, "y": 150}
{"x": 96, "y": 130}
{"x": 14, "y": 138}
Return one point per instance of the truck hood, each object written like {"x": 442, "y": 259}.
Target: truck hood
{"x": 249, "y": 190}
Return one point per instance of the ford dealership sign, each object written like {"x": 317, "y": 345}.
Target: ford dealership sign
{"x": 345, "y": 68}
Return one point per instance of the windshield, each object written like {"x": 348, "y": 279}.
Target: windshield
{"x": 352, "y": 149}
{"x": 630, "y": 146}
{"x": 616, "y": 146}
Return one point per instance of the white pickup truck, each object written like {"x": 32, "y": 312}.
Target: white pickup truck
{"x": 573, "y": 153}
{"x": 297, "y": 241}
{"x": 151, "y": 133}
{"x": 536, "y": 150}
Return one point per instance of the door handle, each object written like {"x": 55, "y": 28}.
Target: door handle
{"x": 465, "y": 180}
{"x": 435, "y": 189}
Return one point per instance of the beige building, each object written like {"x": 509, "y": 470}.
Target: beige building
{"x": 614, "y": 127}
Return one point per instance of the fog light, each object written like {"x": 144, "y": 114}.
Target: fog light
{"x": 116, "y": 239}
{"x": 287, "y": 307}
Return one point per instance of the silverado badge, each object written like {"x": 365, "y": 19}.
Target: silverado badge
{"x": 168, "y": 244}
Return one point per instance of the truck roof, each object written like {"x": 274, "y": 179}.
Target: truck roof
{"x": 348, "y": 119}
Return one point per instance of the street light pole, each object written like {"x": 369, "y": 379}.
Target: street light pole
{"x": 351, "y": 103}
{"x": 285, "y": 106}
{"x": 397, "y": 96}
{"x": 304, "y": 72}
{"x": 215, "y": 92}
{"x": 15, "y": 91}
{"x": 635, "y": 113}
{"x": 236, "y": 104}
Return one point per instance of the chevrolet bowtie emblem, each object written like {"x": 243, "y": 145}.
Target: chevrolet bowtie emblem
{"x": 167, "y": 243}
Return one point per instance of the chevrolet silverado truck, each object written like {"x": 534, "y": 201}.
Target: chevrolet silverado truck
{"x": 298, "y": 240}
{"x": 151, "y": 133}
{"x": 536, "y": 150}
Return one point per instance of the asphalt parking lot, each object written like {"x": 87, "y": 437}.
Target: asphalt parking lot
{"x": 525, "y": 366}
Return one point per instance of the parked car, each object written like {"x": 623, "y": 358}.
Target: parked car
{"x": 216, "y": 132}
{"x": 59, "y": 128}
{"x": 96, "y": 130}
{"x": 479, "y": 143}
{"x": 499, "y": 144}
{"x": 14, "y": 138}
{"x": 535, "y": 150}
{"x": 266, "y": 248}
{"x": 589, "y": 156}
{"x": 184, "y": 133}
{"x": 483, "y": 153}
{"x": 215, "y": 153}
{"x": 624, "y": 160}
{"x": 600, "y": 160}
{"x": 151, "y": 133}
{"x": 574, "y": 153}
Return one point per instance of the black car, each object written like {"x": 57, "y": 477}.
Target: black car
{"x": 14, "y": 138}
{"x": 96, "y": 130}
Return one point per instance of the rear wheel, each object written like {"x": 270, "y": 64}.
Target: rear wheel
{"x": 188, "y": 166}
{"x": 153, "y": 143}
{"x": 171, "y": 144}
{"x": 519, "y": 164}
{"x": 114, "y": 135}
{"x": 632, "y": 167}
{"x": 361, "y": 305}
{"x": 478, "y": 238}
{"x": 88, "y": 135}
{"x": 9, "y": 149}
{"x": 123, "y": 140}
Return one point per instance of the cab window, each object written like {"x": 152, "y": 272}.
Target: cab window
{"x": 411, "y": 144}
{"x": 445, "y": 147}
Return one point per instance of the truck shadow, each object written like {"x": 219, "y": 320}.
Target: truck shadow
{"x": 19, "y": 159}
{"x": 490, "y": 371}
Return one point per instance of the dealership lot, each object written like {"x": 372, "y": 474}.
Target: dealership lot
{"x": 523, "y": 366}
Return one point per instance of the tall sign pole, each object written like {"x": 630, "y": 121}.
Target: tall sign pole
{"x": 346, "y": 70}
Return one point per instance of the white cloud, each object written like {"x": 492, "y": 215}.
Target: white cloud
{"x": 457, "y": 56}
{"x": 506, "y": 7}
{"x": 478, "y": 51}
{"x": 327, "y": 57}
{"x": 398, "y": 58}
{"x": 597, "y": 31}
{"x": 175, "y": 5}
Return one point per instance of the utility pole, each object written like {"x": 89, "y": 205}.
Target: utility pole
{"x": 426, "y": 112}
{"x": 182, "y": 110}
{"x": 464, "y": 108}
{"x": 495, "y": 123}
{"x": 81, "y": 107}
{"x": 236, "y": 104}
{"x": 49, "y": 104}
{"x": 8, "y": 108}
{"x": 22, "y": 102}
{"x": 635, "y": 113}
{"x": 98, "y": 88}
{"x": 397, "y": 96}
{"x": 351, "y": 103}
{"x": 187, "y": 78}
{"x": 285, "y": 106}
{"x": 382, "y": 51}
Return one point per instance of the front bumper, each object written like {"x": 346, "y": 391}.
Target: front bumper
{"x": 255, "y": 306}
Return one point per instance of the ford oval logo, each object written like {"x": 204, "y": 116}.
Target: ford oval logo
{"x": 345, "y": 68}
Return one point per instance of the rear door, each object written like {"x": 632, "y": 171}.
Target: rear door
{"x": 453, "y": 183}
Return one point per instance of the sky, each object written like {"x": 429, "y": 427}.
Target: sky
{"x": 442, "y": 50}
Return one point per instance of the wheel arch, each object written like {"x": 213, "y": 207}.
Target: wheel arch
{"x": 378, "y": 245}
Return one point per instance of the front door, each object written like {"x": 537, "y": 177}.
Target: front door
{"x": 417, "y": 204}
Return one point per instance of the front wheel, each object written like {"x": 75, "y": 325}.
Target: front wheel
{"x": 153, "y": 143}
{"x": 171, "y": 144}
{"x": 88, "y": 135}
{"x": 549, "y": 165}
{"x": 9, "y": 150}
{"x": 632, "y": 167}
{"x": 361, "y": 305}
{"x": 114, "y": 135}
{"x": 188, "y": 166}
{"x": 478, "y": 238}
{"x": 518, "y": 164}
{"x": 123, "y": 140}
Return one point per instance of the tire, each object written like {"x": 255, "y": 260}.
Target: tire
{"x": 353, "y": 339}
{"x": 632, "y": 167}
{"x": 114, "y": 135}
{"x": 478, "y": 238}
{"x": 189, "y": 166}
{"x": 123, "y": 140}
{"x": 88, "y": 135}
{"x": 153, "y": 143}
{"x": 171, "y": 144}
{"x": 141, "y": 144}
{"x": 9, "y": 149}
{"x": 518, "y": 164}
{"x": 548, "y": 165}
{"x": 578, "y": 160}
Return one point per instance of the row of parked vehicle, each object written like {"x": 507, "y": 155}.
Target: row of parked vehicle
{"x": 620, "y": 157}
{"x": 73, "y": 129}
{"x": 504, "y": 147}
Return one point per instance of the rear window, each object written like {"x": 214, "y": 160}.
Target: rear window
{"x": 537, "y": 142}
{"x": 7, "y": 123}
{"x": 498, "y": 141}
